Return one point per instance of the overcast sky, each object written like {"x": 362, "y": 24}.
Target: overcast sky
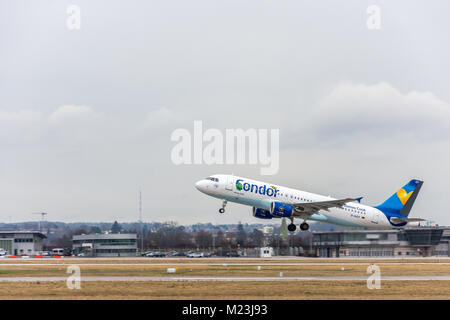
{"x": 86, "y": 115}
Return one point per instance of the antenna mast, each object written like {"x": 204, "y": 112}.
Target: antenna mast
{"x": 140, "y": 220}
{"x": 41, "y": 223}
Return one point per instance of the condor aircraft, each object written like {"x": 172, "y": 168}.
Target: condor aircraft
{"x": 274, "y": 201}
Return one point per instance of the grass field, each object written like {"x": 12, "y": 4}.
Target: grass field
{"x": 324, "y": 289}
{"x": 228, "y": 290}
{"x": 227, "y": 271}
{"x": 223, "y": 267}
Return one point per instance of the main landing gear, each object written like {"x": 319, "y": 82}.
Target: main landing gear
{"x": 292, "y": 226}
{"x": 224, "y": 203}
{"x": 304, "y": 226}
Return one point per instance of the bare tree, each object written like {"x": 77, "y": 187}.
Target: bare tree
{"x": 203, "y": 239}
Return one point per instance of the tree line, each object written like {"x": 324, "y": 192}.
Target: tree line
{"x": 170, "y": 235}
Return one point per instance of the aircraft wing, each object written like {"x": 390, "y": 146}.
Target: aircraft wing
{"x": 313, "y": 207}
{"x": 400, "y": 220}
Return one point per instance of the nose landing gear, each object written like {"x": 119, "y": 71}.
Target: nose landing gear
{"x": 224, "y": 203}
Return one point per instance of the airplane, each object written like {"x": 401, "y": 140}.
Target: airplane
{"x": 273, "y": 201}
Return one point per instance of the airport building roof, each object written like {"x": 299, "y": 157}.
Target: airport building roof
{"x": 99, "y": 236}
{"x": 445, "y": 229}
{"x": 14, "y": 233}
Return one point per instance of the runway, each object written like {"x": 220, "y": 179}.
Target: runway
{"x": 68, "y": 263}
{"x": 169, "y": 278}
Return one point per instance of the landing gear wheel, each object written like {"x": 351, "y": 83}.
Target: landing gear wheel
{"x": 304, "y": 226}
{"x": 292, "y": 227}
{"x": 224, "y": 204}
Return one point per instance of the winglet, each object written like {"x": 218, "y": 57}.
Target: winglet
{"x": 359, "y": 199}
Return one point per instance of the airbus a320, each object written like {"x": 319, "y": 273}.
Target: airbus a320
{"x": 273, "y": 201}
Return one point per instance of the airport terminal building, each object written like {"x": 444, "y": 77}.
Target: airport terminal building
{"x": 22, "y": 243}
{"x": 105, "y": 245}
{"x": 410, "y": 242}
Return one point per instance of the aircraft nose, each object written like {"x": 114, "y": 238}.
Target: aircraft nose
{"x": 199, "y": 185}
{"x": 202, "y": 185}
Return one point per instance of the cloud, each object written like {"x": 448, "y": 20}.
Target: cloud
{"x": 162, "y": 117}
{"x": 376, "y": 112}
{"x": 66, "y": 123}
{"x": 19, "y": 118}
{"x": 159, "y": 122}
{"x": 20, "y": 127}
{"x": 373, "y": 130}
{"x": 71, "y": 113}
{"x": 368, "y": 139}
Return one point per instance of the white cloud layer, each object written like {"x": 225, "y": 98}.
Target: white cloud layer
{"x": 380, "y": 111}
{"x": 350, "y": 133}
{"x": 86, "y": 116}
{"x": 72, "y": 113}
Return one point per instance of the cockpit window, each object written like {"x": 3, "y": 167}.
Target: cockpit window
{"x": 212, "y": 179}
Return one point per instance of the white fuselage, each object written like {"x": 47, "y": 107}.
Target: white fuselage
{"x": 254, "y": 193}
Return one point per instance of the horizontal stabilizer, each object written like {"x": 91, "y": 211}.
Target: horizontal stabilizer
{"x": 400, "y": 220}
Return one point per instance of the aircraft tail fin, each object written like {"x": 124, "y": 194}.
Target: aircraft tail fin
{"x": 402, "y": 201}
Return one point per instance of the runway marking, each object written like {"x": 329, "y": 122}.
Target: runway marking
{"x": 144, "y": 278}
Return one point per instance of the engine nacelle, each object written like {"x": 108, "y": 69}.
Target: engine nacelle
{"x": 281, "y": 210}
{"x": 261, "y": 213}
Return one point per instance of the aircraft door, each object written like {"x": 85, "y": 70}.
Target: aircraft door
{"x": 374, "y": 218}
{"x": 229, "y": 183}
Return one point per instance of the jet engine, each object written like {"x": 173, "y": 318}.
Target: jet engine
{"x": 281, "y": 210}
{"x": 261, "y": 213}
